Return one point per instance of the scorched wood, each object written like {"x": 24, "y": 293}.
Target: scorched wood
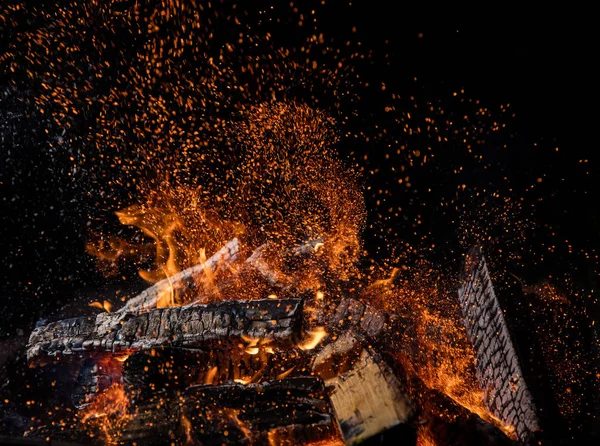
{"x": 359, "y": 317}
{"x": 183, "y": 280}
{"x": 192, "y": 326}
{"x": 498, "y": 367}
{"x": 288, "y": 411}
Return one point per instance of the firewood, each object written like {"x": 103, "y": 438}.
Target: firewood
{"x": 192, "y": 326}
{"x": 293, "y": 411}
{"x": 498, "y": 369}
{"x": 288, "y": 411}
{"x": 366, "y": 395}
{"x": 360, "y": 317}
{"x": 182, "y": 280}
{"x": 95, "y": 376}
{"x": 174, "y": 369}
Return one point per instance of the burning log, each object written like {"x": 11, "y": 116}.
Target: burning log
{"x": 360, "y": 317}
{"x": 498, "y": 370}
{"x": 174, "y": 369}
{"x": 94, "y": 377}
{"x": 452, "y": 424}
{"x": 289, "y": 411}
{"x": 191, "y": 326}
{"x": 294, "y": 411}
{"x": 185, "y": 279}
{"x": 365, "y": 393}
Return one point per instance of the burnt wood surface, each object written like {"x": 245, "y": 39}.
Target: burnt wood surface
{"x": 174, "y": 369}
{"x": 289, "y": 411}
{"x": 183, "y": 280}
{"x": 360, "y": 317}
{"x": 499, "y": 372}
{"x": 190, "y": 326}
{"x": 284, "y": 412}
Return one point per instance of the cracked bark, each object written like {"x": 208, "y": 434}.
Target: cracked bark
{"x": 498, "y": 369}
{"x": 193, "y": 326}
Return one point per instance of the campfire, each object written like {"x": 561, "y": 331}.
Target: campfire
{"x": 263, "y": 317}
{"x": 279, "y": 336}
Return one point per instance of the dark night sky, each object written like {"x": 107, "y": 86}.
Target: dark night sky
{"x": 542, "y": 62}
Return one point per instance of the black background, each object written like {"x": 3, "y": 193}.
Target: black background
{"x": 540, "y": 61}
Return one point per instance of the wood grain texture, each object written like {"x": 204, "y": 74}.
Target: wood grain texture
{"x": 366, "y": 396}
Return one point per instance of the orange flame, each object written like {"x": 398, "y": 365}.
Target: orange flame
{"x": 106, "y": 306}
{"x": 315, "y": 338}
{"x": 243, "y": 427}
{"x": 108, "y": 412}
{"x": 436, "y": 348}
{"x": 209, "y": 378}
{"x": 288, "y": 166}
{"x": 160, "y": 228}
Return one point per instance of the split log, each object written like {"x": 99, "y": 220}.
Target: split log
{"x": 506, "y": 394}
{"x": 193, "y": 326}
{"x": 185, "y": 279}
{"x": 366, "y": 396}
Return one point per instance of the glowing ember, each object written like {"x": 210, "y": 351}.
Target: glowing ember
{"x": 108, "y": 413}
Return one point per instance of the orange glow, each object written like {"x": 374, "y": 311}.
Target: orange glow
{"x": 242, "y": 381}
{"x": 108, "y": 412}
{"x": 187, "y": 427}
{"x": 243, "y": 427}
{"x": 288, "y": 160}
{"x": 286, "y": 373}
{"x": 436, "y": 349}
{"x": 209, "y": 378}
{"x": 314, "y": 339}
{"x": 263, "y": 168}
{"x": 425, "y": 437}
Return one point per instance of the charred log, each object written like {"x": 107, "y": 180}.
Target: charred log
{"x": 498, "y": 369}
{"x": 289, "y": 411}
{"x": 95, "y": 376}
{"x": 174, "y": 369}
{"x": 360, "y": 317}
{"x": 191, "y": 327}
